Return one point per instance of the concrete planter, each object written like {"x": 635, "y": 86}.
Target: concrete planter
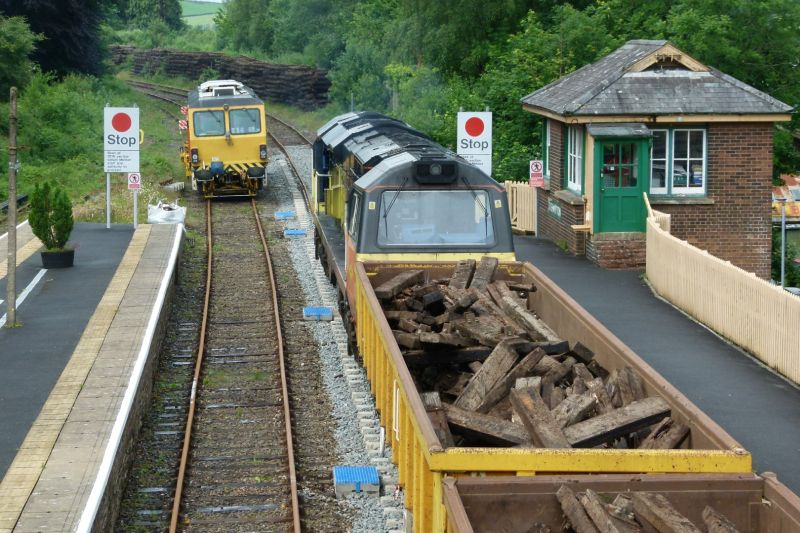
{"x": 58, "y": 259}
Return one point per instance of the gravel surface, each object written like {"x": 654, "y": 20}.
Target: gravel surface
{"x": 332, "y": 343}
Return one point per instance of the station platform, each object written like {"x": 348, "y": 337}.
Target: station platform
{"x": 71, "y": 371}
{"x": 754, "y": 404}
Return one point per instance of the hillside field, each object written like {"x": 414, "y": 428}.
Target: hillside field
{"x": 199, "y": 13}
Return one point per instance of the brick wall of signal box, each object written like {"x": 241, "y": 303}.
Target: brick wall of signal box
{"x": 737, "y": 226}
{"x": 548, "y": 227}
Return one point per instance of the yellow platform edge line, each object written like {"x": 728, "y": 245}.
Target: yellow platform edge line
{"x": 23, "y": 253}
{"x": 21, "y": 477}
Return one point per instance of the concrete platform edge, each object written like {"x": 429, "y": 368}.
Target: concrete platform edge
{"x": 100, "y": 510}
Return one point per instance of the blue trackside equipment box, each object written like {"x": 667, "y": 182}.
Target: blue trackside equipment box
{"x": 318, "y": 313}
{"x": 356, "y": 479}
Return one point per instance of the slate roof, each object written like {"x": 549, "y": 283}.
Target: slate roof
{"x": 608, "y": 87}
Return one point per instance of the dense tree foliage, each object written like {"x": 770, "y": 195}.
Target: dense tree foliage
{"x": 791, "y": 270}
{"x": 422, "y": 61}
{"x": 146, "y": 12}
{"x": 70, "y": 30}
{"x": 17, "y": 42}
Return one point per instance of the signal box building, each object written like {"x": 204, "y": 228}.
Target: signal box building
{"x": 650, "y": 119}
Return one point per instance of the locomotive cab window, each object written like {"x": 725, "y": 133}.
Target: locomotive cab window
{"x": 208, "y": 123}
{"x": 354, "y": 223}
{"x": 245, "y": 121}
{"x": 435, "y": 218}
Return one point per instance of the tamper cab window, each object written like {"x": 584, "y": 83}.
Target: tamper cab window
{"x": 208, "y": 123}
{"x": 245, "y": 121}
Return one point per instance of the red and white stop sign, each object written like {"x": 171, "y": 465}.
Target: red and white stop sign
{"x": 474, "y": 133}
{"x": 121, "y": 128}
{"x": 474, "y": 141}
{"x": 121, "y": 139}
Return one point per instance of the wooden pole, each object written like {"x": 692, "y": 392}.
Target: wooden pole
{"x": 11, "y": 285}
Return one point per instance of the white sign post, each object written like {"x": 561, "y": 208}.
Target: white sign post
{"x": 475, "y": 139}
{"x": 134, "y": 184}
{"x": 120, "y": 146}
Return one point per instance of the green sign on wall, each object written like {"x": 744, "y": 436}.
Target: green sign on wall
{"x": 554, "y": 208}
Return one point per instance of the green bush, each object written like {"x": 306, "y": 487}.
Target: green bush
{"x": 51, "y": 215}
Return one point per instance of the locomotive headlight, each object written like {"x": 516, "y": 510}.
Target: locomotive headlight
{"x": 195, "y": 157}
{"x": 436, "y": 169}
{"x": 262, "y": 151}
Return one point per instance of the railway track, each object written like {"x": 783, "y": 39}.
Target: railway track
{"x": 238, "y": 429}
{"x": 165, "y": 93}
{"x": 238, "y": 473}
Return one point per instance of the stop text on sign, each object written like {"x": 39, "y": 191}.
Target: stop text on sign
{"x": 474, "y": 141}
{"x": 121, "y": 139}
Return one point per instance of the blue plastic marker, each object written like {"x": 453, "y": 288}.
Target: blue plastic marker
{"x": 318, "y": 313}
{"x": 294, "y": 233}
{"x": 284, "y": 215}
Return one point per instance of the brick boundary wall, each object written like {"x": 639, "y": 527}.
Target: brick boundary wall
{"x": 298, "y": 85}
{"x": 617, "y": 255}
{"x": 737, "y": 226}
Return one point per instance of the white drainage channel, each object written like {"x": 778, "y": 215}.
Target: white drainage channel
{"x": 354, "y": 374}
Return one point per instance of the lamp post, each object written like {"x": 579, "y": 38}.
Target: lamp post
{"x": 11, "y": 281}
{"x": 783, "y": 240}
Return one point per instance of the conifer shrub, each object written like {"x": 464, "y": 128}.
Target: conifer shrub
{"x": 51, "y": 215}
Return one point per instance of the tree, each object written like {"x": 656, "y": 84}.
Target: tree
{"x": 51, "y": 215}
{"x": 70, "y": 30}
{"x": 144, "y": 12}
{"x": 791, "y": 269}
{"x": 244, "y": 25}
{"x": 454, "y": 36}
{"x": 17, "y": 42}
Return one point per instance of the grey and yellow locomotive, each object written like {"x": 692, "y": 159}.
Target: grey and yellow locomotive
{"x": 383, "y": 191}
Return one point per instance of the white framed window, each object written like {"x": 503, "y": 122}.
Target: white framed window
{"x": 688, "y": 161}
{"x": 574, "y": 158}
{"x": 678, "y": 161}
{"x": 659, "y": 162}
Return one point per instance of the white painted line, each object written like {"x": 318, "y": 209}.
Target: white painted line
{"x": 101, "y": 481}
{"x": 24, "y": 294}
{"x": 5, "y": 235}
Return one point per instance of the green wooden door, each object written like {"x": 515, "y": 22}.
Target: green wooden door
{"x": 621, "y": 168}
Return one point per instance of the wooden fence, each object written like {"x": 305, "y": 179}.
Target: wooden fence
{"x": 522, "y": 206}
{"x": 760, "y": 317}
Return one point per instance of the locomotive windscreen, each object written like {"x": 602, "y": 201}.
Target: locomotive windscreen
{"x": 445, "y": 218}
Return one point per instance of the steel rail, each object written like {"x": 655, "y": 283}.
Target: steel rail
{"x": 201, "y": 348}
{"x": 175, "y": 91}
{"x": 276, "y": 119}
{"x": 297, "y": 177}
{"x": 284, "y": 384}
{"x": 179, "y": 483}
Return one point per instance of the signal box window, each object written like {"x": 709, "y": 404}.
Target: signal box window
{"x": 678, "y": 162}
{"x": 208, "y": 123}
{"x": 435, "y": 219}
{"x": 245, "y": 121}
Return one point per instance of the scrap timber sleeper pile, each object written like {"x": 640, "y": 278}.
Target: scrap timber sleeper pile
{"x": 491, "y": 373}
